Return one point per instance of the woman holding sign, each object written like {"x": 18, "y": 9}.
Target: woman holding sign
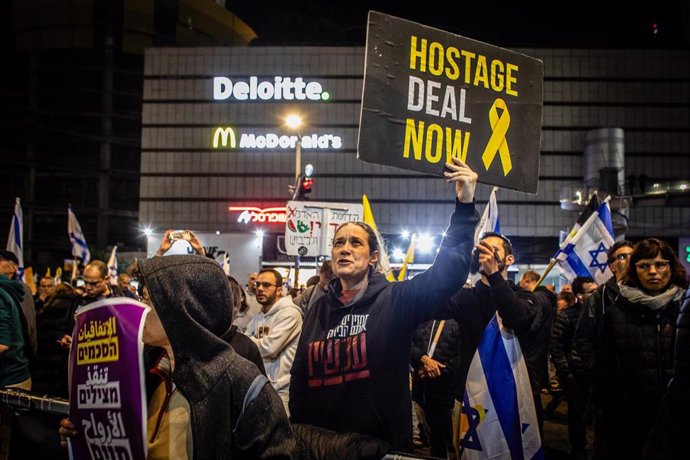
{"x": 351, "y": 368}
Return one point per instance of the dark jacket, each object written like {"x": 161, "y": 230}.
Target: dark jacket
{"x": 474, "y": 307}
{"x": 633, "y": 367}
{"x": 568, "y": 362}
{"x": 245, "y": 347}
{"x": 49, "y": 368}
{"x": 598, "y": 303}
{"x": 192, "y": 298}
{"x": 669, "y": 439}
{"x": 115, "y": 291}
{"x": 539, "y": 336}
{"x": 351, "y": 369}
{"x": 14, "y": 364}
{"x": 440, "y": 389}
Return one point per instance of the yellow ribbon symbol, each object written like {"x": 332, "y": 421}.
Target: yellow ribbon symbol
{"x": 497, "y": 141}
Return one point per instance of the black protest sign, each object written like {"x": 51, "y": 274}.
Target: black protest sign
{"x": 430, "y": 95}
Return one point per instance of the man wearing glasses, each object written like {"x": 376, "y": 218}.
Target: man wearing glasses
{"x": 96, "y": 287}
{"x": 601, "y": 300}
{"x": 275, "y": 330}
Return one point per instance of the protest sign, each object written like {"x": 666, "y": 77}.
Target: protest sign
{"x": 430, "y": 95}
{"x": 107, "y": 393}
{"x": 311, "y": 225}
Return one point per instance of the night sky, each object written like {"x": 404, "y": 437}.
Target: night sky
{"x": 509, "y": 24}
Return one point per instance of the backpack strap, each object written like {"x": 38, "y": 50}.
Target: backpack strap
{"x": 251, "y": 394}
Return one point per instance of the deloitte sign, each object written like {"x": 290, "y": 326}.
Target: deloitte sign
{"x": 280, "y": 88}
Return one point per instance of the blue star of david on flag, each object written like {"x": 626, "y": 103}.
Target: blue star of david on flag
{"x": 582, "y": 254}
{"x": 601, "y": 249}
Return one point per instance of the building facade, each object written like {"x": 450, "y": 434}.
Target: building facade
{"x": 197, "y": 99}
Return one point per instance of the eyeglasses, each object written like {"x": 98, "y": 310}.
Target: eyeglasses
{"x": 93, "y": 283}
{"x": 660, "y": 265}
{"x": 623, "y": 256}
{"x": 264, "y": 284}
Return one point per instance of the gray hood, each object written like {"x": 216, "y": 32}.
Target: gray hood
{"x": 194, "y": 302}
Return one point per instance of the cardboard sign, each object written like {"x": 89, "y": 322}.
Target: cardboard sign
{"x": 107, "y": 392}
{"x": 430, "y": 95}
{"x": 310, "y": 225}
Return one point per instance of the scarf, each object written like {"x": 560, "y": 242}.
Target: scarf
{"x": 657, "y": 302}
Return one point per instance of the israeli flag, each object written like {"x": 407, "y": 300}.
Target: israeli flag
{"x": 498, "y": 419}
{"x": 489, "y": 221}
{"x": 14, "y": 239}
{"x": 112, "y": 266}
{"x": 585, "y": 254}
{"x": 76, "y": 238}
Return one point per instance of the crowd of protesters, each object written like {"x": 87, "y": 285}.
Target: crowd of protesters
{"x": 254, "y": 372}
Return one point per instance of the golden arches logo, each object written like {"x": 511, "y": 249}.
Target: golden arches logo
{"x": 222, "y": 136}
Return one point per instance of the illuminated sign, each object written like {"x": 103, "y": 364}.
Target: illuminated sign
{"x": 281, "y": 88}
{"x": 227, "y": 138}
{"x": 253, "y": 215}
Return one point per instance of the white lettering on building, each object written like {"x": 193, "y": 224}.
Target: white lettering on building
{"x": 281, "y": 88}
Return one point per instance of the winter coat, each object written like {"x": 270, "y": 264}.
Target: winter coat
{"x": 192, "y": 298}
{"x": 439, "y": 389}
{"x": 669, "y": 439}
{"x": 633, "y": 366}
{"x": 351, "y": 370}
{"x": 539, "y": 336}
{"x": 14, "y": 364}
{"x": 568, "y": 362}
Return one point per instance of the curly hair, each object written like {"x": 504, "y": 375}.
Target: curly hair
{"x": 649, "y": 249}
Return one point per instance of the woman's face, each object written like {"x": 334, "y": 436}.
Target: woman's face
{"x": 351, "y": 253}
{"x": 654, "y": 274}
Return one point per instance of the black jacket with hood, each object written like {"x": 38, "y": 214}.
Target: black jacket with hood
{"x": 193, "y": 300}
{"x": 351, "y": 370}
{"x": 474, "y": 307}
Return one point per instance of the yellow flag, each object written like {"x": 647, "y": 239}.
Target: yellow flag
{"x": 47, "y": 275}
{"x": 409, "y": 258}
{"x": 369, "y": 220}
{"x": 29, "y": 279}
{"x": 368, "y": 215}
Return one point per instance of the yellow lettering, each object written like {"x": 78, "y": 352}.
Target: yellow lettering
{"x": 481, "y": 73}
{"x": 452, "y": 71}
{"x": 436, "y": 59}
{"x": 417, "y": 54}
{"x": 510, "y": 79}
{"x": 468, "y": 55}
{"x": 435, "y": 141}
{"x": 497, "y": 75}
{"x": 434, "y": 138}
{"x": 456, "y": 146}
{"x": 413, "y": 137}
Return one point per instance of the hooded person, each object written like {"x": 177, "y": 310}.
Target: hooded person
{"x": 210, "y": 402}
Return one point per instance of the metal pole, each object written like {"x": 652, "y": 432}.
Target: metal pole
{"x": 298, "y": 157}
{"x": 298, "y": 185}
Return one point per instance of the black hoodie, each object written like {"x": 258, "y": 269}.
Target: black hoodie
{"x": 351, "y": 369}
{"x": 193, "y": 300}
